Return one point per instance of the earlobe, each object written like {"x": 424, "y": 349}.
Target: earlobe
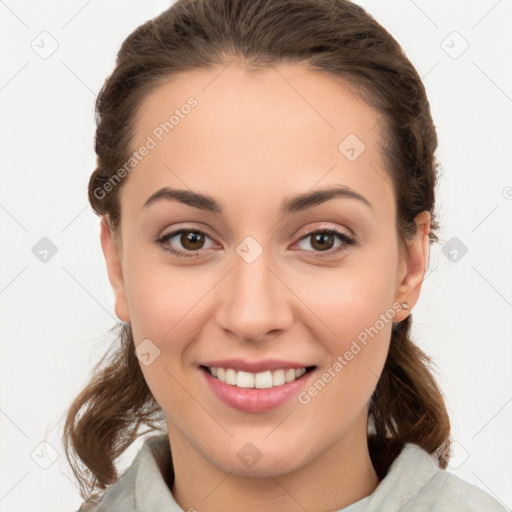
{"x": 112, "y": 256}
{"x": 416, "y": 261}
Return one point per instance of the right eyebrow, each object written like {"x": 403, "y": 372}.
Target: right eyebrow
{"x": 194, "y": 199}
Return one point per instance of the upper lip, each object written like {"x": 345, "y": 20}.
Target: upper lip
{"x": 255, "y": 366}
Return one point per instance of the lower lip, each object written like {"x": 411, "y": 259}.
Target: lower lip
{"x": 252, "y": 399}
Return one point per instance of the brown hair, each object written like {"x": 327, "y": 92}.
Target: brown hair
{"x": 330, "y": 36}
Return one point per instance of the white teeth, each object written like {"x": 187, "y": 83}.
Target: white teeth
{"x": 261, "y": 380}
{"x": 300, "y": 372}
{"x": 244, "y": 379}
{"x": 290, "y": 375}
{"x": 278, "y": 378}
{"x": 230, "y": 377}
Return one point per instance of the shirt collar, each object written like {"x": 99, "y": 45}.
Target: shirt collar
{"x": 155, "y": 471}
{"x": 152, "y": 471}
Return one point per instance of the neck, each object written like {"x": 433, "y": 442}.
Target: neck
{"x": 339, "y": 477}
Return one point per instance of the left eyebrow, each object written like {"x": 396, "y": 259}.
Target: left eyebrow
{"x": 295, "y": 204}
{"x": 310, "y": 199}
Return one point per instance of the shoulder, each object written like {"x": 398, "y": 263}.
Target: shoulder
{"x": 415, "y": 483}
{"x": 142, "y": 477}
{"x": 449, "y": 490}
{"x": 91, "y": 505}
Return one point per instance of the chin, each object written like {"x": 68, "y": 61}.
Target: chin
{"x": 258, "y": 459}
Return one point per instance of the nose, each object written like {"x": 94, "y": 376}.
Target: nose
{"x": 254, "y": 300}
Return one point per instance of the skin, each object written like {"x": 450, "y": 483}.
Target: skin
{"x": 253, "y": 141}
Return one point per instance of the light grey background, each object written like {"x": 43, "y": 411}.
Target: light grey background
{"x": 56, "y": 314}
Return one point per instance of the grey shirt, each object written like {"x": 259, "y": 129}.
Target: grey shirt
{"x": 414, "y": 483}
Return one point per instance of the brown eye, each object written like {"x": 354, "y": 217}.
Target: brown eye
{"x": 192, "y": 240}
{"x": 189, "y": 242}
{"x": 322, "y": 241}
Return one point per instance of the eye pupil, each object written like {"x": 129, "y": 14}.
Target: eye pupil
{"x": 192, "y": 237}
{"x": 320, "y": 238}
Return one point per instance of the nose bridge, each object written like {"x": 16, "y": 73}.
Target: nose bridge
{"x": 253, "y": 301}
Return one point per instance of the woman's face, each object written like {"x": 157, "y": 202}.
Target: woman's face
{"x": 262, "y": 290}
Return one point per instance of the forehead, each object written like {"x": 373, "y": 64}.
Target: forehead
{"x": 264, "y": 132}
{"x": 238, "y": 96}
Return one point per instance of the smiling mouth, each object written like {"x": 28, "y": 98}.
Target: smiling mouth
{"x": 261, "y": 380}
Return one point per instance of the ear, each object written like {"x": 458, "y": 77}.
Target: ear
{"x": 114, "y": 269}
{"x": 413, "y": 264}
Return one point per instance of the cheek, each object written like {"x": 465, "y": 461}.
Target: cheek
{"x": 349, "y": 300}
{"x": 357, "y": 351}
{"x": 167, "y": 306}
{"x": 161, "y": 298}
{"x": 164, "y": 304}
{"x": 353, "y": 316}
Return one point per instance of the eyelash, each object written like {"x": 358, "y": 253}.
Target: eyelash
{"x": 348, "y": 241}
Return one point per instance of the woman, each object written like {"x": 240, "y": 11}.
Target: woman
{"x": 265, "y": 182}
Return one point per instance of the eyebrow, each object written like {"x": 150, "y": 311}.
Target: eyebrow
{"x": 291, "y": 205}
